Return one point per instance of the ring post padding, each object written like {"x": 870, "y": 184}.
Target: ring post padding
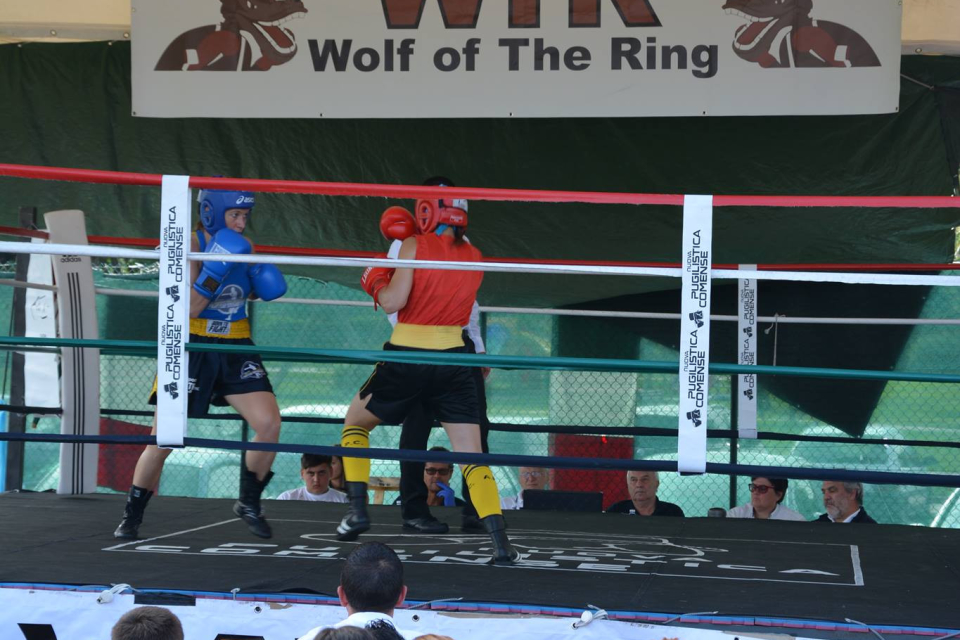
{"x": 695, "y": 334}
{"x": 747, "y": 390}
{"x": 79, "y": 367}
{"x": 173, "y": 313}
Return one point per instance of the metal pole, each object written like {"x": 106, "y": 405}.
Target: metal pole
{"x": 734, "y": 438}
{"x": 17, "y": 422}
{"x": 244, "y": 425}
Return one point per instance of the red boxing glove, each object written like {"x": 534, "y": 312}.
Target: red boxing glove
{"x": 374, "y": 279}
{"x": 397, "y": 223}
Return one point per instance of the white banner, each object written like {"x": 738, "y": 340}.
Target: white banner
{"x": 80, "y": 367}
{"x": 514, "y": 58}
{"x": 71, "y": 615}
{"x": 41, "y": 371}
{"x": 695, "y": 334}
{"x": 747, "y": 354}
{"x": 173, "y": 319}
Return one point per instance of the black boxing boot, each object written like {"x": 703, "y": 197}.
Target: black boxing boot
{"x": 248, "y": 508}
{"x": 137, "y": 501}
{"x": 503, "y": 552}
{"x": 356, "y": 521}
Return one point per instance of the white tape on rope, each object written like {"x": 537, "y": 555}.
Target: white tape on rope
{"x": 695, "y": 334}
{"x": 842, "y": 278}
{"x": 173, "y": 319}
{"x": 747, "y": 354}
{"x": 41, "y": 371}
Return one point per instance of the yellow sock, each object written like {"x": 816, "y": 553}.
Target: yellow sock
{"x": 483, "y": 490}
{"x": 356, "y": 469}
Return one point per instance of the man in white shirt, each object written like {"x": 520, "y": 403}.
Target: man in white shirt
{"x": 530, "y": 478}
{"x": 371, "y": 588}
{"x": 315, "y": 471}
{"x": 766, "y": 496}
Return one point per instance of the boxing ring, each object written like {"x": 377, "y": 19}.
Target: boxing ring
{"x": 796, "y": 578}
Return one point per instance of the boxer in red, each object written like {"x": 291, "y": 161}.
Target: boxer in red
{"x": 432, "y": 307}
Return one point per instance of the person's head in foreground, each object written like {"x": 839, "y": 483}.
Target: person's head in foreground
{"x": 345, "y": 633}
{"x": 147, "y": 623}
{"x": 372, "y": 580}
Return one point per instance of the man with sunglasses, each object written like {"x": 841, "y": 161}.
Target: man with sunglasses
{"x": 436, "y": 479}
{"x": 766, "y": 497}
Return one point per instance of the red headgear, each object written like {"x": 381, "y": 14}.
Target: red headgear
{"x": 432, "y": 213}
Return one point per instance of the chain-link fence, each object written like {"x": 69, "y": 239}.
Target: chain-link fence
{"x": 537, "y": 398}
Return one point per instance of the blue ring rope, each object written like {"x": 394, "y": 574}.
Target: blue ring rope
{"x": 510, "y": 460}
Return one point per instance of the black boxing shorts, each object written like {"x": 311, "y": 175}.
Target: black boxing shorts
{"x": 213, "y": 376}
{"x": 449, "y": 393}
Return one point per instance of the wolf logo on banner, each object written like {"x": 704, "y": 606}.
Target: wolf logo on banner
{"x": 781, "y": 33}
{"x": 250, "y": 38}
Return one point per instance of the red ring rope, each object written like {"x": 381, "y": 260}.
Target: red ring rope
{"x": 401, "y": 191}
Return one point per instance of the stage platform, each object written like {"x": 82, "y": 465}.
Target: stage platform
{"x": 879, "y": 575}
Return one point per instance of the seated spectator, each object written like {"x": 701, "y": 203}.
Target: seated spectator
{"x": 336, "y": 472}
{"x": 436, "y": 475}
{"x": 147, "y": 623}
{"x": 844, "y": 503}
{"x": 766, "y": 496}
{"x": 315, "y": 471}
{"x": 530, "y": 478}
{"x": 642, "y": 486}
{"x": 371, "y": 588}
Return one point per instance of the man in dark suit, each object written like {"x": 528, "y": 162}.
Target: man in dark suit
{"x": 844, "y": 503}
{"x": 643, "y": 501}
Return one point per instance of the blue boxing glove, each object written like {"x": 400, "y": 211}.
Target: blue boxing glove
{"x": 268, "y": 283}
{"x": 449, "y": 499}
{"x": 213, "y": 274}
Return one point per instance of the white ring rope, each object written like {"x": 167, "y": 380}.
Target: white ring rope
{"x": 586, "y": 313}
{"x": 506, "y": 267}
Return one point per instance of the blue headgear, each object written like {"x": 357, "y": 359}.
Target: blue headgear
{"x": 214, "y": 203}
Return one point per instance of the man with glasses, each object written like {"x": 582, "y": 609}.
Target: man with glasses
{"x": 436, "y": 477}
{"x": 530, "y": 478}
{"x": 766, "y": 496}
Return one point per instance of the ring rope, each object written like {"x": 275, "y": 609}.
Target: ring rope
{"x": 506, "y": 267}
{"x": 512, "y": 195}
{"x": 305, "y": 251}
{"x": 507, "y": 427}
{"x": 512, "y": 460}
{"x": 645, "y": 315}
{"x": 143, "y": 348}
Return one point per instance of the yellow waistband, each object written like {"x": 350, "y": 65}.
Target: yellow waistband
{"x": 220, "y": 328}
{"x": 422, "y": 336}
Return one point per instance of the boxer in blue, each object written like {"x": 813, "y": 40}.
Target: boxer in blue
{"x": 218, "y": 314}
